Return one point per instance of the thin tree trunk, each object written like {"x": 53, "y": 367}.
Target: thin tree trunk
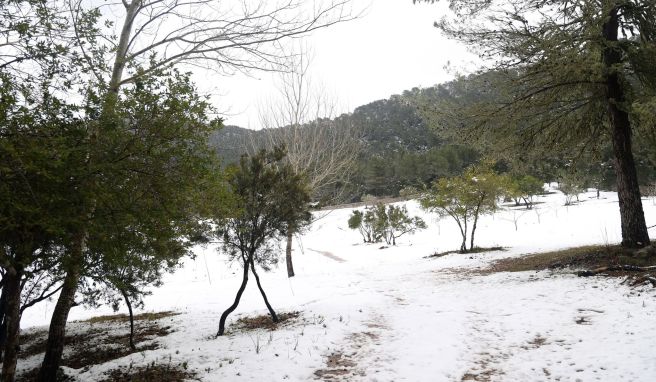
{"x": 12, "y": 315}
{"x": 463, "y": 246}
{"x": 127, "y": 302}
{"x": 57, "y": 331}
{"x": 122, "y": 48}
{"x": 471, "y": 243}
{"x": 274, "y": 317}
{"x": 634, "y": 227}
{"x": 234, "y": 305}
{"x": 288, "y": 254}
{"x": 478, "y": 208}
{"x": 463, "y": 233}
{"x": 3, "y": 315}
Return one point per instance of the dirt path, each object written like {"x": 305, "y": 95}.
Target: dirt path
{"x": 360, "y": 355}
{"x": 329, "y": 255}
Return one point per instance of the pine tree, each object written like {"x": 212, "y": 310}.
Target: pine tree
{"x": 270, "y": 199}
{"x": 564, "y": 75}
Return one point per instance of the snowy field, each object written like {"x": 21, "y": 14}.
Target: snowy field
{"x": 371, "y": 314}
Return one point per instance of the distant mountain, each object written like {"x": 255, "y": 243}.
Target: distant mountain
{"x": 399, "y": 149}
{"x": 230, "y": 142}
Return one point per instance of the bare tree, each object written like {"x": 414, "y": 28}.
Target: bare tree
{"x": 302, "y": 120}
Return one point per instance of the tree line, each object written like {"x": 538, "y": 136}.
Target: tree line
{"x": 106, "y": 177}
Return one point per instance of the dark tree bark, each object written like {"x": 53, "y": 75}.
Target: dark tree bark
{"x": 288, "y": 254}
{"x": 463, "y": 245}
{"x": 66, "y": 300}
{"x": 463, "y": 232}
{"x": 634, "y": 227}
{"x": 234, "y": 305}
{"x": 127, "y": 302}
{"x": 12, "y": 287}
{"x": 3, "y": 316}
{"x": 473, "y": 232}
{"x": 274, "y": 317}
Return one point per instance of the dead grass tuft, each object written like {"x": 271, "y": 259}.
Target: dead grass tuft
{"x": 150, "y": 316}
{"x": 337, "y": 365}
{"x": 264, "y": 321}
{"x": 152, "y": 372}
{"x": 468, "y": 252}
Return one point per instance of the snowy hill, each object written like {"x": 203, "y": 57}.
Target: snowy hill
{"x": 372, "y": 314}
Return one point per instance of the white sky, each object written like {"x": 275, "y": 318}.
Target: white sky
{"x": 391, "y": 48}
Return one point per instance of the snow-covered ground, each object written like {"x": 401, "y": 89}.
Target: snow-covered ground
{"x": 372, "y": 314}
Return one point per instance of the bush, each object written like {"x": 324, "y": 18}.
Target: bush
{"x": 464, "y": 198}
{"x": 378, "y": 223}
{"x": 525, "y": 187}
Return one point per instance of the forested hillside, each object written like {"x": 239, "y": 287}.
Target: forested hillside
{"x": 404, "y": 146}
{"x": 398, "y": 148}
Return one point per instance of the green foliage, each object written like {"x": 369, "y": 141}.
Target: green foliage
{"x": 270, "y": 199}
{"x": 380, "y": 222}
{"x": 399, "y": 223}
{"x": 464, "y": 198}
{"x": 367, "y": 224}
{"x": 398, "y": 148}
{"x": 524, "y": 187}
{"x": 147, "y": 179}
{"x": 546, "y": 87}
{"x": 409, "y": 192}
{"x": 571, "y": 184}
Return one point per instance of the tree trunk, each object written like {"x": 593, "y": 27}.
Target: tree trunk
{"x": 473, "y": 232}
{"x": 463, "y": 245}
{"x": 12, "y": 315}
{"x": 127, "y": 302}
{"x": 122, "y": 48}
{"x": 57, "y": 331}
{"x": 274, "y": 317}
{"x": 234, "y": 305}
{"x": 288, "y": 254}
{"x": 463, "y": 233}
{"x": 3, "y": 315}
{"x": 634, "y": 227}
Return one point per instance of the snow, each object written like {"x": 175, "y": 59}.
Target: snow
{"x": 392, "y": 315}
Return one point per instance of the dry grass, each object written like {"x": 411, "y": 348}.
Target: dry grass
{"x": 589, "y": 257}
{"x": 97, "y": 343}
{"x": 468, "y": 252}
{"x": 151, "y": 372}
{"x": 264, "y": 321}
{"x": 125, "y": 318}
{"x": 338, "y": 365}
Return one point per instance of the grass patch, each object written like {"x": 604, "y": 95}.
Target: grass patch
{"x": 151, "y": 372}
{"x": 99, "y": 343}
{"x": 94, "y": 346}
{"x": 467, "y": 252}
{"x": 264, "y": 321}
{"x": 586, "y": 257}
{"x": 151, "y": 316}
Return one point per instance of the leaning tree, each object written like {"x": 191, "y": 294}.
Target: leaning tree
{"x": 565, "y": 75}
{"x": 270, "y": 199}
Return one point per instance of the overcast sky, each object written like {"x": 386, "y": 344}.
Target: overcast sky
{"x": 391, "y": 48}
